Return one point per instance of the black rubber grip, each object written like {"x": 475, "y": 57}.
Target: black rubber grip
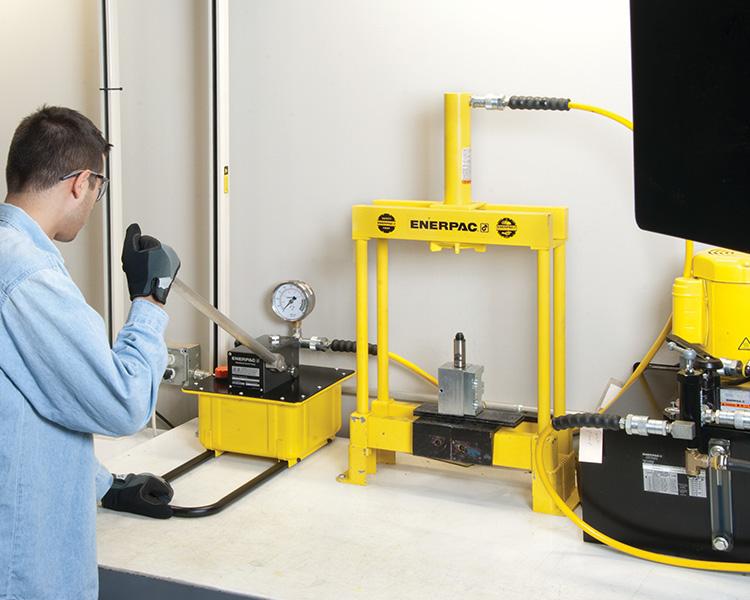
{"x": 538, "y": 103}
{"x": 597, "y": 420}
{"x": 351, "y": 346}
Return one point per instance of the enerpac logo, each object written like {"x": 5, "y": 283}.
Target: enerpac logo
{"x": 444, "y": 225}
{"x": 506, "y": 227}
{"x": 386, "y": 223}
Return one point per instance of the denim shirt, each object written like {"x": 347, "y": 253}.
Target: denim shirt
{"x": 60, "y": 382}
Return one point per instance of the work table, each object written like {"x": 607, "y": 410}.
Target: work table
{"x": 420, "y": 529}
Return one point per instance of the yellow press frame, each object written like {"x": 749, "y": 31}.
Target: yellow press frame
{"x": 380, "y": 429}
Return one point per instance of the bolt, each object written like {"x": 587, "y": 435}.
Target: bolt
{"x": 720, "y": 543}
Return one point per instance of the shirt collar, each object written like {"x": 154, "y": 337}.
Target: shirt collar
{"x": 20, "y": 220}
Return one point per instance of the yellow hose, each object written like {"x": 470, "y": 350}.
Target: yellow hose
{"x": 602, "y": 111}
{"x": 412, "y": 367}
{"x": 687, "y": 266}
{"x": 540, "y": 467}
{"x": 676, "y": 561}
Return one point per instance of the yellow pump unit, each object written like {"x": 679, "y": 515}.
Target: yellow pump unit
{"x": 710, "y": 308}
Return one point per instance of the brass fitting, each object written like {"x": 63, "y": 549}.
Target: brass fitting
{"x": 695, "y": 462}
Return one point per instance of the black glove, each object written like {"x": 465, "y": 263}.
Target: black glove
{"x": 143, "y": 494}
{"x": 149, "y": 265}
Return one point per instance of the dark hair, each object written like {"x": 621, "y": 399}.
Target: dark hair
{"x": 49, "y": 144}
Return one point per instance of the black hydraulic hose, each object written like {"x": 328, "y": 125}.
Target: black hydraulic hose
{"x": 597, "y": 420}
{"x": 739, "y": 465}
{"x": 351, "y": 346}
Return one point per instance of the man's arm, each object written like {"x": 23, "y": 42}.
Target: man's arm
{"x": 69, "y": 373}
{"x": 103, "y": 481}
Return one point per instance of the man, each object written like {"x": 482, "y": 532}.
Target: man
{"x": 59, "y": 379}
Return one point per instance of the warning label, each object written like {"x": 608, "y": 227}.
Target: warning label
{"x": 735, "y": 398}
{"x": 506, "y": 227}
{"x": 386, "y": 223}
{"x": 667, "y": 479}
{"x": 744, "y": 345}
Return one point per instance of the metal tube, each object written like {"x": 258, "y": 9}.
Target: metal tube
{"x": 275, "y": 361}
{"x": 558, "y": 319}
{"x": 382, "y": 308}
{"x": 457, "y": 153}
{"x": 543, "y": 338}
{"x": 363, "y": 400}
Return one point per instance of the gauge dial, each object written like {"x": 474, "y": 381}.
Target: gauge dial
{"x": 293, "y": 300}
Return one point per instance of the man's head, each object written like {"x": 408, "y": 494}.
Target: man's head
{"x": 53, "y": 169}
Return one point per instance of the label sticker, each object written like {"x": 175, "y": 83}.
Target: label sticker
{"x": 386, "y": 223}
{"x": 744, "y": 345}
{"x": 668, "y": 479}
{"x": 466, "y": 165}
{"x": 591, "y": 444}
{"x": 735, "y": 398}
{"x": 506, "y": 227}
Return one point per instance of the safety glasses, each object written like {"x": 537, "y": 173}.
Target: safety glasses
{"x": 102, "y": 188}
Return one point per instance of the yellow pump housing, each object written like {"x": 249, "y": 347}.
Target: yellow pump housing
{"x": 710, "y": 308}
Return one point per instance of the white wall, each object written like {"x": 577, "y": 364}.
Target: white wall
{"x": 51, "y": 56}
{"x": 166, "y": 154}
{"x": 337, "y": 102}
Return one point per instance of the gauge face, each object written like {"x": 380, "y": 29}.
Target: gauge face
{"x": 293, "y": 300}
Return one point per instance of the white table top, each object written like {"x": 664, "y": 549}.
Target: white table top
{"x": 420, "y": 529}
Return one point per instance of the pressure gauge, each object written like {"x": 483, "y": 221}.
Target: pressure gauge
{"x": 293, "y": 300}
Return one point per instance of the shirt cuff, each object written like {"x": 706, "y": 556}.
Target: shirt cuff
{"x": 147, "y": 313}
{"x": 103, "y": 482}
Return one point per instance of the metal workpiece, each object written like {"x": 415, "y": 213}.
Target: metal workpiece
{"x": 274, "y": 361}
{"x": 720, "y": 496}
{"x": 460, "y": 390}
{"x": 489, "y": 102}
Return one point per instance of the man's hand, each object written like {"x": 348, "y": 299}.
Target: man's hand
{"x": 149, "y": 265}
{"x": 143, "y": 494}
